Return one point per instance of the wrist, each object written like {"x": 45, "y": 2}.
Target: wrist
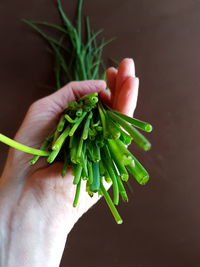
{"x": 28, "y": 236}
{"x": 29, "y": 243}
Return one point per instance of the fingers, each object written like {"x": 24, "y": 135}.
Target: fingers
{"x": 126, "y": 69}
{"x": 111, "y": 75}
{"x": 127, "y": 98}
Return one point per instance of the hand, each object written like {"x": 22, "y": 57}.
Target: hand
{"x": 35, "y": 201}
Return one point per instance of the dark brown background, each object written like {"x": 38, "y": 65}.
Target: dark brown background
{"x": 161, "y": 221}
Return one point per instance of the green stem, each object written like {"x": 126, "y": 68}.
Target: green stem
{"x": 61, "y": 139}
{"x": 134, "y": 166}
{"x": 111, "y": 205}
{"x": 79, "y": 112}
{"x": 49, "y": 24}
{"x": 85, "y": 97}
{"x": 145, "y": 126}
{"x": 90, "y": 172}
{"x": 6, "y": 140}
{"x": 77, "y": 194}
{"x": 78, "y": 171}
{"x": 96, "y": 152}
{"x": 78, "y": 122}
{"x": 137, "y": 136}
{"x": 79, "y": 150}
{"x": 110, "y": 168}
{"x": 113, "y": 129}
{"x": 122, "y": 190}
{"x": 84, "y": 163}
{"x": 73, "y": 149}
{"x": 43, "y": 146}
{"x": 138, "y": 171}
{"x": 86, "y": 126}
{"x": 103, "y": 120}
{"x": 61, "y": 123}
{"x": 53, "y": 155}
{"x": 69, "y": 119}
{"x": 125, "y": 138}
{"x": 79, "y": 10}
{"x": 115, "y": 153}
{"x": 94, "y": 187}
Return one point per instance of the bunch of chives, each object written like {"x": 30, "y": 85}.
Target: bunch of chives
{"x": 90, "y": 136}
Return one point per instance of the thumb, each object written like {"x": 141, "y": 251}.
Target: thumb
{"x": 75, "y": 90}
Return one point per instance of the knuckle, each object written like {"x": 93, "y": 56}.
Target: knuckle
{"x": 71, "y": 84}
{"x": 36, "y": 105}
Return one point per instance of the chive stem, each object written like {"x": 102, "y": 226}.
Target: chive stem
{"x": 87, "y": 126}
{"x": 61, "y": 139}
{"x": 77, "y": 194}
{"x": 69, "y": 119}
{"x": 110, "y": 168}
{"x": 137, "y": 136}
{"x": 94, "y": 187}
{"x": 90, "y": 172}
{"x": 134, "y": 166}
{"x": 122, "y": 190}
{"x": 111, "y": 205}
{"x": 78, "y": 122}
{"x": 43, "y": 146}
{"x": 78, "y": 171}
{"x": 145, "y": 126}
{"x": 103, "y": 121}
{"x": 6, "y": 140}
{"x": 53, "y": 155}
{"x": 61, "y": 124}
{"x": 115, "y": 153}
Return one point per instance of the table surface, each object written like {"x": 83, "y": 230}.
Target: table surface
{"x": 161, "y": 220}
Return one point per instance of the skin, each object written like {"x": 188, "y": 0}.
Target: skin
{"x": 35, "y": 201}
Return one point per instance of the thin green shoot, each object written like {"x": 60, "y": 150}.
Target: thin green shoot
{"x": 30, "y": 150}
{"x": 77, "y": 194}
{"x": 78, "y": 171}
{"x": 137, "y": 136}
{"x": 111, "y": 205}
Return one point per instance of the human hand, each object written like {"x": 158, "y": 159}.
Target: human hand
{"x": 35, "y": 201}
